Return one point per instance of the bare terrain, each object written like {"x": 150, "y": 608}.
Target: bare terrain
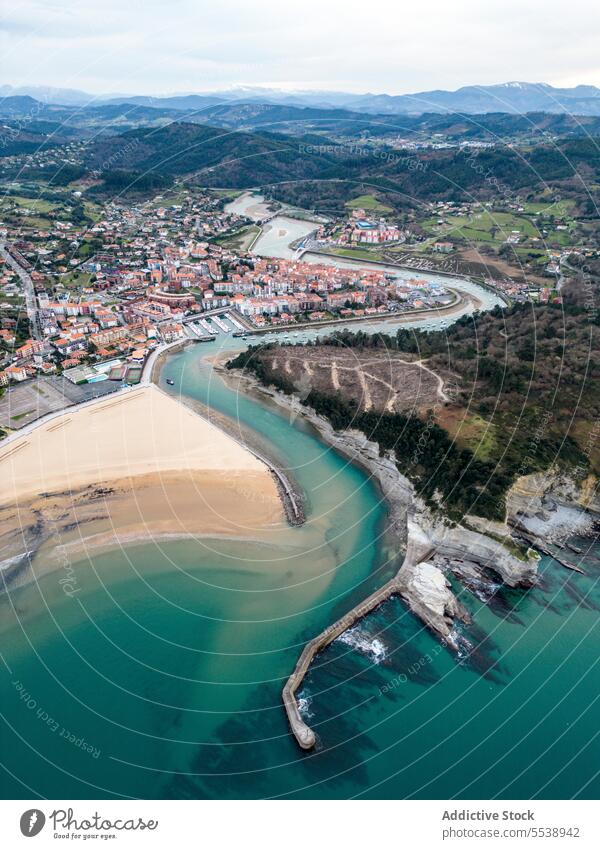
{"x": 377, "y": 380}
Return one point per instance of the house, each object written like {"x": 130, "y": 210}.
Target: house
{"x": 16, "y": 373}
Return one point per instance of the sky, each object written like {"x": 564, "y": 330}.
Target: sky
{"x": 157, "y": 47}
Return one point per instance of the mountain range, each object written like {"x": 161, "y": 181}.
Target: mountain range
{"x": 512, "y": 98}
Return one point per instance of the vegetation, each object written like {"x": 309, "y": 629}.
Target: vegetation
{"x": 424, "y": 451}
{"x": 369, "y": 202}
{"x": 525, "y": 393}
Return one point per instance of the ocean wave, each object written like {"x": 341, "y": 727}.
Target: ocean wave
{"x": 304, "y": 703}
{"x": 464, "y": 647}
{"x": 484, "y": 590}
{"x": 13, "y": 561}
{"x": 375, "y": 648}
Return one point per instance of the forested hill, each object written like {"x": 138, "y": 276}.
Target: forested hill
{"x": 309, "y": 170}
{"x": 216, "y": 156}
{"x": 509, "y": 370}
{"x": 524, "y": 385}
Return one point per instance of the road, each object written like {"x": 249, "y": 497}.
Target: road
{"x": 28, "y": 291}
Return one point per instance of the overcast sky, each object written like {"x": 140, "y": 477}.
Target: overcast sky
{"x": 165, "y": 46}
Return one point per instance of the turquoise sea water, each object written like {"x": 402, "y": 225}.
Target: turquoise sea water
{"x": 162, "y": 677}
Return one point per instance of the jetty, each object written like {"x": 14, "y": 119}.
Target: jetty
{"x": 419, "y": 548}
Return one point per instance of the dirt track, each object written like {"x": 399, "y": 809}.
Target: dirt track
{"x": 382, "y": 381}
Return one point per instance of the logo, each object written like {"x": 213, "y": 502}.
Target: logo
{"x": 32, "y": 822}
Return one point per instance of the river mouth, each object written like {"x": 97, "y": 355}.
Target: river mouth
{"x": 170, "y": 660}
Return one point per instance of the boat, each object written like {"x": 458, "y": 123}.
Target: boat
{"x": 170, "y": 382}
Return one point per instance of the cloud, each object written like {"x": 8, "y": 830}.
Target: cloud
{"x": 155, "y": 47}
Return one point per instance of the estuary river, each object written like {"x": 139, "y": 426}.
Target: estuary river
{"x": 281, "y": 231}
{"x": 162, "y": 676}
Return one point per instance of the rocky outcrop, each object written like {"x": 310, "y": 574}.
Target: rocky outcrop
{"x": 459, "y": 543}
{"x": 429, "y": 595}
{"x": 433, "y": 546}
{"x": 436, "y": 605}
{"x": 553, "y": 505}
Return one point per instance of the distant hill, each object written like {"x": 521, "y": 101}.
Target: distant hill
{"x": 515, "y": 98}
{"x": 14, "y": 107}
{"x": 122, "y": 115}
{"x": 294, "y": 170}
{"x": 181, "y": 103}
{"x": 52, "y": 94}
{"x": 316, "y": 171}
{"x": 215, "y": 156}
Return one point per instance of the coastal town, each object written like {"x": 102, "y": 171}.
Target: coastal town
{"x": 88, "y": 291}
{"x": 92, "y": 302}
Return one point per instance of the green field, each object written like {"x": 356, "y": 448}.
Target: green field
{"x": 375, "y": 255}
{"x": 35, "y": 204}
{"x": 92, "y": 210}
{"x": 495, "y": 227}
{"x": 368, "y": 202}
{"x": 74, "y": 279}
{"x": 239, "y": 241}
{"x": 559, "y": 208}
{"x": 230, "y": 194}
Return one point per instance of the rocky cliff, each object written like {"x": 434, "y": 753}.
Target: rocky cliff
{"x": 553, "y": 505}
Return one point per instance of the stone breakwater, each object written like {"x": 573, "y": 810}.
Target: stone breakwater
{"x": 422, "y": 586}
{"x": 432, "y": 546}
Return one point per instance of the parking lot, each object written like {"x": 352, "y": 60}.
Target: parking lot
{"x": 25, "y": 402}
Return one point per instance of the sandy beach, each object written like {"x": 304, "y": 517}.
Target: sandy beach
{"x": 133, "y": 466}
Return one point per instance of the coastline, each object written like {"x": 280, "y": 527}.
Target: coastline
{"x": 429, "y": 552}
{"x": 451, "y": 275}
{"x": 289, "y": 492}
{"x": 352, "y": 446}
{"x": 426, "y": 551}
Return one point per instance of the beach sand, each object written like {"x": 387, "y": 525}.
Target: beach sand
{"x": 133, "y": 466}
